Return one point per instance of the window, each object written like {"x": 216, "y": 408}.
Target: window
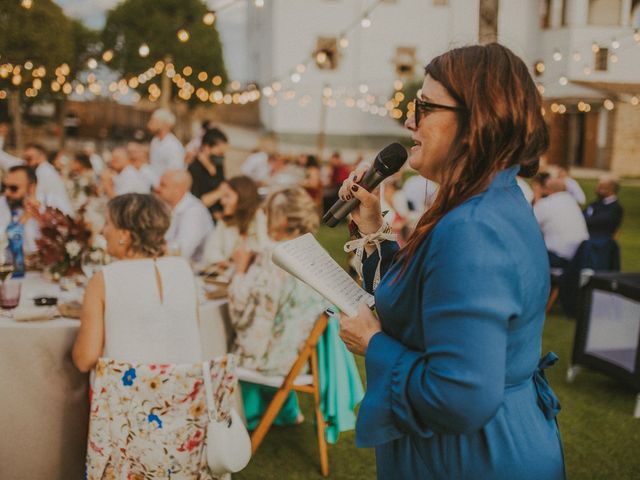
{"x": 545, "y": 14}
{"x": 602, "y": 58}
{"x": 604, "y": 12}
{"x": 326, "y": 53}
{"x": 405, "y": 61}
{"x": 563, "y": 20}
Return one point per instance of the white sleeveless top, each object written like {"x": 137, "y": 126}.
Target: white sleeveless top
{"x": 140, "y": 327}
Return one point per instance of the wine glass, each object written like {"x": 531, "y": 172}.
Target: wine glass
{"x": 6, "y": 265}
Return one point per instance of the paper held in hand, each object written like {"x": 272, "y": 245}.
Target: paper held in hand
{"x": 304, "y": 258}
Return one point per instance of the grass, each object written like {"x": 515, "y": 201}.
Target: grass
{"x": 599, "y": 433}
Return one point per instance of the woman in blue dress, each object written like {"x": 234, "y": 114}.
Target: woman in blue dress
{"x": 455, "y": 384}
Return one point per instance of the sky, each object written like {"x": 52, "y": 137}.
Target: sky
{"x": 93, "y": 12}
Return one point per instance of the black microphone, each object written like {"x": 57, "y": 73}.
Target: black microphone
{"x": 387, "y": 162}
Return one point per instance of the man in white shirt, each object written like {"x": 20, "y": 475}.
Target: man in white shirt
{"x": 256, "y": 167}
{"x": 50, "y": 183}
{"x": 6, "y": 159}
{"x": 122, "y": 177}
{"x": 561, "y": 221}
{"x": 138, "y": 154}
{"x": 191, "y": 222}
{"x": 21, "y": 197}
{"x": 165, "y": 152}
{"x": 573, "y": 187}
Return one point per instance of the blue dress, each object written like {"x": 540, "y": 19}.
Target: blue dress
{"x": 455, "y": 384}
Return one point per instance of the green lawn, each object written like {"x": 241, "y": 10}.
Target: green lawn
{"x": 599, "y": 433}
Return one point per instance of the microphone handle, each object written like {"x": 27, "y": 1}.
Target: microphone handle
{"x": 339, "y": 211}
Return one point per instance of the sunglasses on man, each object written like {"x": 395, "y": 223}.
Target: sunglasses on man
{"x": 10, "y": 188}
{"x": 422, "y": 109}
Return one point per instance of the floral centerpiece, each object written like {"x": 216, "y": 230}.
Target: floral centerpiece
{"x": 62, "y": 243}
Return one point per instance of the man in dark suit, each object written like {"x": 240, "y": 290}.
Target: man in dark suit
{"x": 604, "y": 216}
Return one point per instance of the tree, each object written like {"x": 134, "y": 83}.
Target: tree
{"x": 29, "y": 39}
{"x": 156, "y": 23}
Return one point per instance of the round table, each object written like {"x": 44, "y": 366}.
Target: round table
{"x": 44, "y": 407}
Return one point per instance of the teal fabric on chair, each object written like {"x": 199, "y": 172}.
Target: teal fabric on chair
{"x": 340, "y": 384}
{"x": 341, "y": 389}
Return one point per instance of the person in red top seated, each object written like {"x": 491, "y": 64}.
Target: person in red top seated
{"x": 338, "y": 173}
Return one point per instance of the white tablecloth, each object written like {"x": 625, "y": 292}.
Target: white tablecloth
{"x": 44, "y": 407}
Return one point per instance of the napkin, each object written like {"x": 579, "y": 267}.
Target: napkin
{"x": 28, "y": 313}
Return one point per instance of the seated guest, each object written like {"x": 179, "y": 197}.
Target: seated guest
{"x": 560, "y": 219}
{"x": 256, "y": 166}
{"x": 242, "y": 220}
{"x": 191, "y": 222}
{"x": 122, "y": 177}
{"x": 138, "y": 154}
{"x": 271, "y": 311}
{"x": 312, "y": 182}
{"x": 81, "y": 183}
{"x": 50, "y": 183}
{"x": 207, "y": 170}
{"x": 141, "y": 309}
{"x": 22, "y": 199}
{"x": 165, "y": 152}
{"x": 604, "y": 216}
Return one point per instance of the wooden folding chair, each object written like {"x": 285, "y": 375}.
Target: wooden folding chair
{"x": 294, "y": 381}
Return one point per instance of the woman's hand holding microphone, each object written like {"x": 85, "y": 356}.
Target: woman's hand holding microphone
{"x": 356, "y": 331}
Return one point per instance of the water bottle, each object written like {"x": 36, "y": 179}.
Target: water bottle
{"x": 15, "y": 234}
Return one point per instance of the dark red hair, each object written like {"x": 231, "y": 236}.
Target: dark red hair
{"x": 501, "y": 126}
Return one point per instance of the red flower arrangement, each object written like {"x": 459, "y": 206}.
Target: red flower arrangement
{"x": 62, "y": 242}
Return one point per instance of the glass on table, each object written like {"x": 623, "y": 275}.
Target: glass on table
{"x": 10, "y": 293}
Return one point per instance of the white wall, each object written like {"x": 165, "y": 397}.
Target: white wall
{"x": 368, "y": 59}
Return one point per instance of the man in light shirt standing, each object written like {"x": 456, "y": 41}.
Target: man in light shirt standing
{"x": 560, "y": 219}
{"x": 50, "y": 183}
{"x": 191, "y": 222}
{"x": 122, "y": 177}
{"x": 165, "y": 152}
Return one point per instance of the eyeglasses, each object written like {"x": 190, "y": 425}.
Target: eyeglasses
{"x": 428, "y": 107}
{"x": 11, "y": 188}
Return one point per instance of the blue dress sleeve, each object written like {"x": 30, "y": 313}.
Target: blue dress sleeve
{"x": 470, "y": 291}
{"x": 370, "y": 263}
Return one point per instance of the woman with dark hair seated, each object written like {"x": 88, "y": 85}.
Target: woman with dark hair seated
{"x": 243, "y": 222}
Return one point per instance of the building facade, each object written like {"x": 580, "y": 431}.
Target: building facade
{"x": 327, "y": 68}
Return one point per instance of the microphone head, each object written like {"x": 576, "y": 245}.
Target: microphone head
{"x": 390, "y": 159}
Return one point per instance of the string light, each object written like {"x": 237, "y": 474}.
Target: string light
{"x": 576, "y": 56}
{"x": 183, "y": 35}
{"x": 557, "y": 56}
{"x": 563, "y": 81}
{"x": 209, "y": 18}
{"x": 143, "y": 51}
{"x": 608, "y": 104}
{"x": 540, "y": 67}
{"x": 107, "y": 56}
{"x": 26, "y": 4}
{"x": 615, "y": 44}
{"x": 365, "y": 22}
{"x": 92, "y": 63}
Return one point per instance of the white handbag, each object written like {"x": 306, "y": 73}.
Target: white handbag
{"x": 228, "y": 442}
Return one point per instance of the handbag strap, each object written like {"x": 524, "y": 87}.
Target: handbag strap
{"x": 206, "y": 373}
